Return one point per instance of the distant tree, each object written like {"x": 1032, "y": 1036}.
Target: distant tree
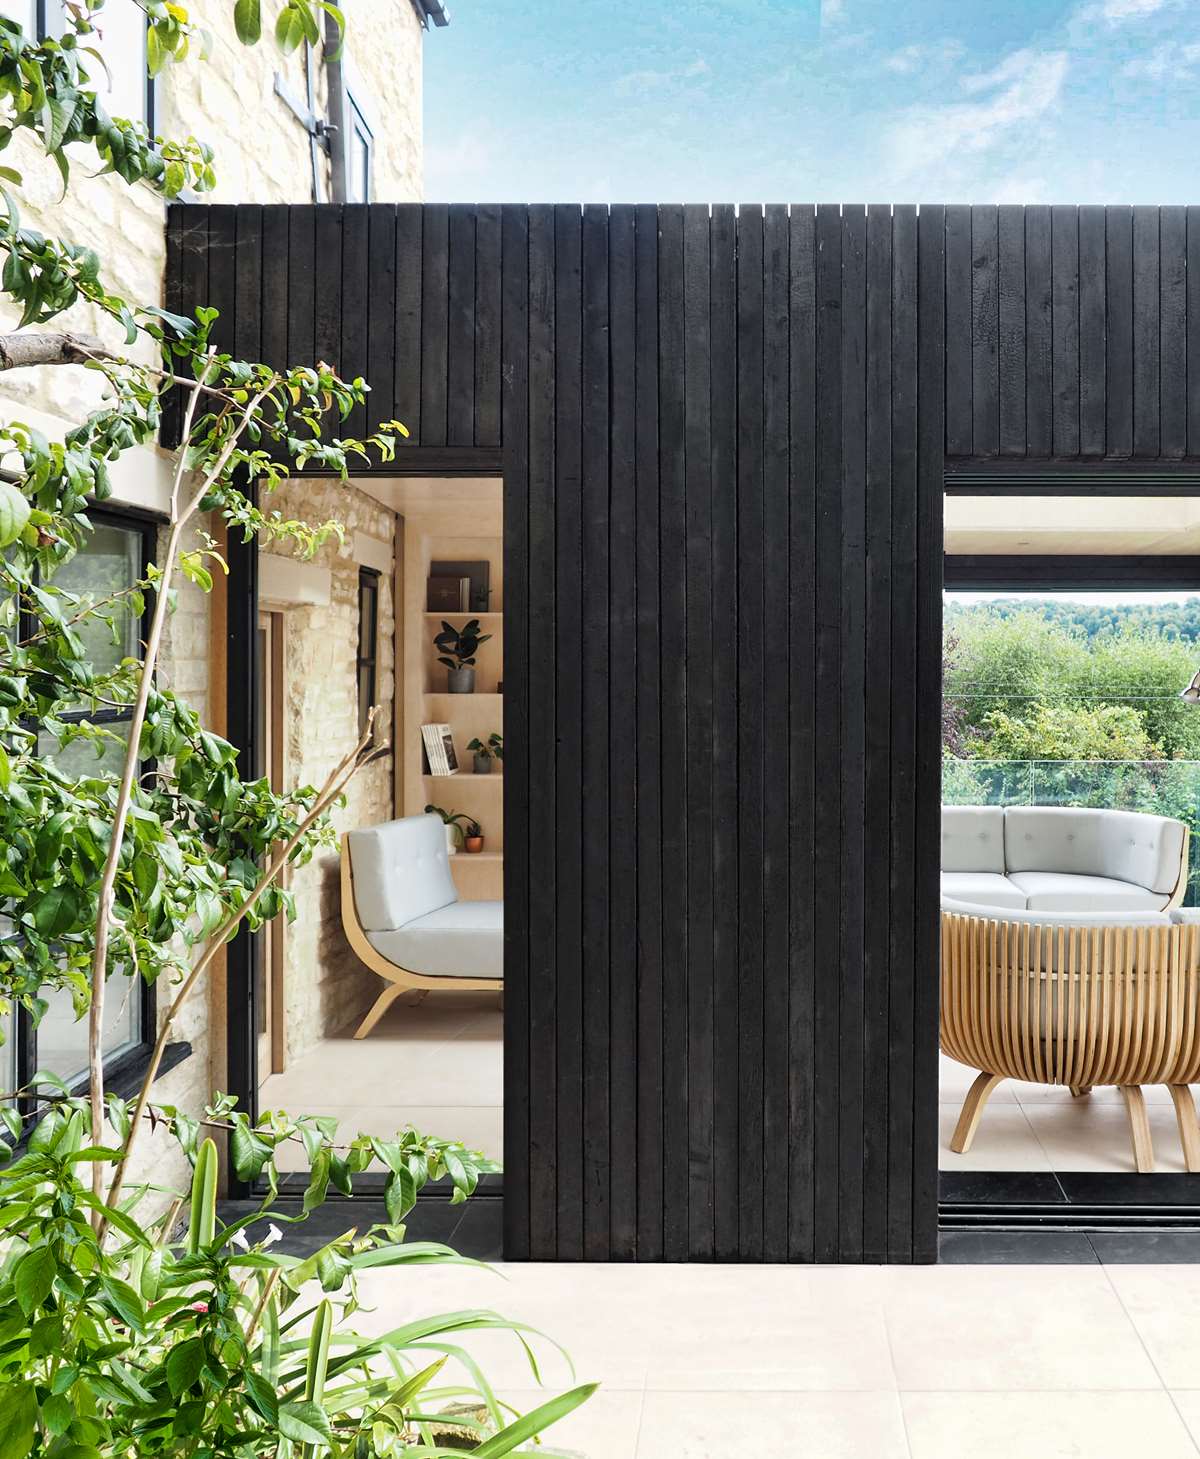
{"x": 1066, "y": 732}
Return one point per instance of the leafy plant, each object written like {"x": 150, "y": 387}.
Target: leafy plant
{"x": 121, "y": 1334}
{"x": 493, "y": 749}
{"x": 462, "y": 823}
{"x": 460, "y": 645}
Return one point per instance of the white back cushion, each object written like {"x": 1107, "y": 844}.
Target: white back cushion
{"x": 973, "y": 838}
{"x": 401, "y": 871}
{"x": 1127, "y": 845}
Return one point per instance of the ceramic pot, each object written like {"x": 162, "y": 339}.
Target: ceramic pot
{"x": 474, "y": 843}
{"x": 460, "y": 681}
{"x": 451, "y": 842}
{"x": 483, "y": 764}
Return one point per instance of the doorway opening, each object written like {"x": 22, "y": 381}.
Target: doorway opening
{"x": 1070, "y": 627}
{"x": 373, "y": 1010}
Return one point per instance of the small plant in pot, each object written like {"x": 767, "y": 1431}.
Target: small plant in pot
{"x": 473, "y": 835}
{"x": 458, "y": 649}
{"x": 457, "y": 824}
{"x": 486, "y": 753}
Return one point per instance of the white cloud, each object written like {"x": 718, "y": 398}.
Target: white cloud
{"x": 920, "y": 58}
{"x": 832, "y": 11}
{"x": 1023, "y": 87}
{"x": 1129, "y": 9}
{"x": 1166, "y": 63}
{"x": 637, "y": 82}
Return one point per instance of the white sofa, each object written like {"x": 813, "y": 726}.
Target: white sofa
{"x": 1059, "y": 859}
{"x": 402, "y": 915}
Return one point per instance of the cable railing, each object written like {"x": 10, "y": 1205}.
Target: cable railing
{"x": 1160, "y": 787}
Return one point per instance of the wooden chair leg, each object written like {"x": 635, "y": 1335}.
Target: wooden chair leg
{"x": 972, "y": 1111}
{"x": 1139, "y": 1127}
{"x": 1079, "y": 1090}
{"x": 379, "y": 1008}
{"x": 1189, "y": 1129}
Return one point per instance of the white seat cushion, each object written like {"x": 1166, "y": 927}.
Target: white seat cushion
{"x": 1126, "y": 846}
{"x": 973, "y": 838}
{"x": 464, "y": 940}
{"x": 401, "y": 871}
{"x": 1061, "y": 891}
{"x": 988, "y": 888}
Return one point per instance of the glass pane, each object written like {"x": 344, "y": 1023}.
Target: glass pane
{"x": 368, "y": 607}
{"x": 358, "y": 164}
{"x": 24, "y": 14}
{"x": 122, "y": 27}
{"x": 366, "y": 693}
{"x": 109, "y": 562}
{"x": 79, "y": 757}
{"x": 62, "y": 1038}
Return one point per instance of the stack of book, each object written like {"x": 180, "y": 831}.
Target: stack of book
{"x": 439, "y": 749}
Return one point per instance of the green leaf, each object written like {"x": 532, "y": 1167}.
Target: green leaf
{"x": 33, "y": 1277}
{"x": 18, "y": 1420}
{"x": 57, "y": 911}
{"x": 247, "y": 21}
{"x": 14, "y": 513}
{"x": 125, "y": 1301}
{"x": 534, "y": 1422}
{"x": 306, "y": 1423}
{"x": 184, "y": 1364}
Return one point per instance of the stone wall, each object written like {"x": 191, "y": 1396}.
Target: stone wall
{"x": 326, "y": 988}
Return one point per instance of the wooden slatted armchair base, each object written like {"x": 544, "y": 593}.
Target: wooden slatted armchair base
{"x": 1079, "y": 1000}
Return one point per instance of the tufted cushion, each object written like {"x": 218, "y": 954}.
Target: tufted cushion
{"x": 465, "y": 940}
{"x": 973, "y": 838}
{"x": 401, "y": 871}
{"x": 1125, "y": 845}
{"x": 1053, "y": 891}
{"x": 988, "y": 887}
{"x": 1059, "y": 919}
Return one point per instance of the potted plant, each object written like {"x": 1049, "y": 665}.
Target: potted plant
{"x": 473, "y": 835}
{"x": 455, "y": 822}
{"x": 458, "y": 649}
{"x": 486, "y": 753}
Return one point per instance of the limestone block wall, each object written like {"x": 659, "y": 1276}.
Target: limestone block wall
{"x": 325, "y": 986}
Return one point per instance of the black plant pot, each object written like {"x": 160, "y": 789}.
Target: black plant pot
{"x": 460, "y": 681}
{"x": 483, "y": 764}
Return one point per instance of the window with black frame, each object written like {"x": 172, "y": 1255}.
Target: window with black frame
{"x": 113, "y": 558}
{"x": 123, "y": 83}
{"x": 368, "y": 642}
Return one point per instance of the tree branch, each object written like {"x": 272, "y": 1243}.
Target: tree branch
{"x": 20, "y": 351}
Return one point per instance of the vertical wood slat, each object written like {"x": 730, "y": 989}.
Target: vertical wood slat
{"x": 381, "y": 316}
{"x": 1039, "y": 324}
{"x": 597, "y": 667}
{"x": 1011, "y": 323}
{"x": 407, "y": 370}
{"x": 623, "y": 1175}
{"x": 802, "y": 737}
{"x": 1119, "y": 334}
{"x": 751, "y": 665}
{"x": 1064, "y": 251}
{"x": 435, "y": 323}
{"x": 1145, "y": 332}
{"x": 777, "y": 713}
{"x": 460, "y": 325}
{"x": 1093, "y": 367}
{"x": 985, "y": 330}
{"x": 672, "y": 546}
{"x": 1172, "y": 341}
{"x": 960, "y": 432}
{"x": 567, "y": 770}
{"x": 699, "y": 605}
{"x": 488, "y": 322}
{"x": 514, "y": 345}
{"x": 358, "y": 303}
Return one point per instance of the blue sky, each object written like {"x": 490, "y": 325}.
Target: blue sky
{"x": 795, "y": 100}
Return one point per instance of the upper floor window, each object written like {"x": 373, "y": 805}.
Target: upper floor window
{"x": 360, "y": 153}
{"x": 25, "y": 14}
{"x": 125, "y": 91}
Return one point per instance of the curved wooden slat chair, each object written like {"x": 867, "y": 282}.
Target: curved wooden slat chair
{"x": 1077, "y": 999}
{"x": 403, "y": 918}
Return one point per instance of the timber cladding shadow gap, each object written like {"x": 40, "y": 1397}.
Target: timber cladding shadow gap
{"x": 723, "y": 435}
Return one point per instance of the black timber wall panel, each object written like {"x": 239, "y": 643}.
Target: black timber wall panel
{"x": 723, "y": 438}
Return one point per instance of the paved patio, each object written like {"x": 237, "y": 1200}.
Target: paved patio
{"x": 708, "y": 1362}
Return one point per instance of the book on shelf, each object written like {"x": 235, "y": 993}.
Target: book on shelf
{"x": 439, "y": 749}
{"x": 447, "y": 594}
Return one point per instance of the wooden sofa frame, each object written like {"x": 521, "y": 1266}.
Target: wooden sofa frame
{"x": 400, "y": 980}
{"x": 1075, "y": 1006}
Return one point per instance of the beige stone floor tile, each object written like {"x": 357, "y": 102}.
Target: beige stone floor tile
{"x": 955, "y": 1079}
{"x": 605, "y": 1427}
{"x": 1063, "y": 1425}
{"x": 1187, "y": 1401}
{"x": 1005, "y": 1140}
{"x": 1163, "y": 1303}
{"x": 1012, "y": 1327}
{"x": 1094, "y": 1135}
{"x": 724, "y": 1424}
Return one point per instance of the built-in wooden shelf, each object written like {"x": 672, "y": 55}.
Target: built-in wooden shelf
{"x": 465, "y": 613}
{"x": 490, "y": 856}
{"x": 461, "y": 698}
{"x": 468, "y": 775}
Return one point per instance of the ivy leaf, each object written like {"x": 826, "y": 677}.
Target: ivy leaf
{"x": 33, "y": 1278}
{"x": 247, "y": 21}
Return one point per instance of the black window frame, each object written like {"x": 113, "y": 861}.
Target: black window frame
{"x": 368, "y": 590}
{"x": 124, "y": 1068}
